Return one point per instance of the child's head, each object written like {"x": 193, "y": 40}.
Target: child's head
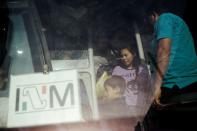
{"x": 114, "y": 87}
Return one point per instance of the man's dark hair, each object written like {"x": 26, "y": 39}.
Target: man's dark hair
{"x": 158, "y": 6}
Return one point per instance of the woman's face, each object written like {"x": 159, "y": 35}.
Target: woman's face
{"x": 127, "y": 57}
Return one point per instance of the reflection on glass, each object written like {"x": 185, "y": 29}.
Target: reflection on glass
{"x": 20, "y": 49}
{"x": 66, "y": 39}
{"x": 86, "y": 95}
{"x": 74, "y": 59}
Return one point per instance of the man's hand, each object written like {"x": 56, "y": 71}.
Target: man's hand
{"x": 157, "y": 95}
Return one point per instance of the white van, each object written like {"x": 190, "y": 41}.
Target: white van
{"x": 53, "y": 53}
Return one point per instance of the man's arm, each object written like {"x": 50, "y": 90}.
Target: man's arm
{"x": 163, "y": 55}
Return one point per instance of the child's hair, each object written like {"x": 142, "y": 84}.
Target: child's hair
{"x": 116, "y": 81}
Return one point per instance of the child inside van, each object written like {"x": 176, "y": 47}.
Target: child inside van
{"x": 114, "y": 87}
{"x": 113, "y": 103}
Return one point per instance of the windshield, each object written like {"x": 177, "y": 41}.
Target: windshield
{"x": 78, "y": 58}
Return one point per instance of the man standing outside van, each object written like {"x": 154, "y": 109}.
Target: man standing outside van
{"x": 175, "y": 57}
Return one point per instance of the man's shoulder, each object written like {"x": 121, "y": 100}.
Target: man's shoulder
{"x": 169, "y": 16}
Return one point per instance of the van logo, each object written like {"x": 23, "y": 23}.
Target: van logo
{"x": 44, "y": 97}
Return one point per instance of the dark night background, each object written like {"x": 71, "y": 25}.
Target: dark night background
{"x": 106, "y": 17}
{"x": 67, "y": 21}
